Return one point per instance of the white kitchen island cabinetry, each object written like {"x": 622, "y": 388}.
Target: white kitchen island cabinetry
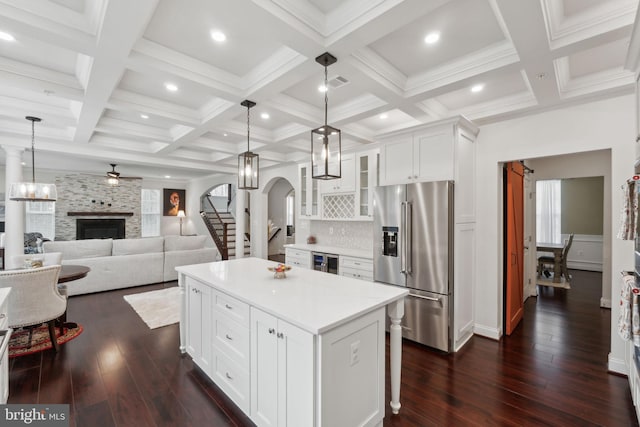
{"x": 317, "y": 342}
{"x": 198, "y": 303}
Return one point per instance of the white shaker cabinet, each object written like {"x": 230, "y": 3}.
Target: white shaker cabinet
{"x": 347, "y": 181}
{"x": 282, "y": 366}
{"x": 198, "y": 343}
{"x": 438, "y": 151}
{"x": 297, "y": 257}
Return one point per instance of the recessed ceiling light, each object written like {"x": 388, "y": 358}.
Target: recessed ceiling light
{"x": 23, "y": 163}
{"x": 477, "y": 88}
{"x": 167, "y": 176}
{"x": 384, "y": 116}
{"x": 225, "y": 134}
{"x": 432, "y": 37}
{"x": 264, "y": 115}
{"x": 171, "y": 87}
{"x": 6, "y": 37}
{"x": 144, "y": 116}
{"x": 322, "y": 88}
{"x": 218, "y": 35}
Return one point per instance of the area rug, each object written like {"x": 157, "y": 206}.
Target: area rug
{"x": 157, "y": 308}
{"x": 18, "y": 344}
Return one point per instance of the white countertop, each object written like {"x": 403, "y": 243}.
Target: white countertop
{"x": 360, "y": 253}
{"x": 312, "y": 300}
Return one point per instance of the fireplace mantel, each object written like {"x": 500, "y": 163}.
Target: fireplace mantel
{"x": 100, "y": 213}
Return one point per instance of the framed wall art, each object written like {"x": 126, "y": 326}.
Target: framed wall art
{"x": 173, "y": 201}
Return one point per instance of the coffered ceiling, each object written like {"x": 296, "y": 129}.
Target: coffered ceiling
{"x": 96, "y": 72}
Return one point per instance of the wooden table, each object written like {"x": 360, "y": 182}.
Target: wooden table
{"x": 70, "y": 272}
{"x": 557, "y": 249}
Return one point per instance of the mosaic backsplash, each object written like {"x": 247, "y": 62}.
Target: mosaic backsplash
{"x": 343, "y": 234}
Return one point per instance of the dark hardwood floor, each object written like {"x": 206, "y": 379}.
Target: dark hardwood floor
{"x": 552, "y": 371}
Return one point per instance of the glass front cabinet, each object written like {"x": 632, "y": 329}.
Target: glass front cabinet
{"x": 366, "y": 180}
{"x": 308, "y": 200}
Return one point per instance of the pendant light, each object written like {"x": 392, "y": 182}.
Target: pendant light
{"x": 33, "y": 191}
{"x": 248, "y": 161}
{"x": 113, "y": 177}
{"x": 326, "y": 141}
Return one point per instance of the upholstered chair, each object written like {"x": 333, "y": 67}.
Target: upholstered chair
{"x": 34, "y": 298}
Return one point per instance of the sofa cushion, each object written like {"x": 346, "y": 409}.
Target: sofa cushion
{"x": 143, "y": 245}
{"x": 78, "y": 249}
{"x": 183, "y": 243}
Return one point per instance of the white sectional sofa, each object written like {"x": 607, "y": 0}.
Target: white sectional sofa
{"x": 123, "y": 263}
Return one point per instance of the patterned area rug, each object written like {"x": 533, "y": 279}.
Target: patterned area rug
{"x": 18, "y": 344}
{"x": 157, "y": 308}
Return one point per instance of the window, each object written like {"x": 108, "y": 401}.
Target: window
{"x": 151, "y": 210}
{"x": 548, "y": 211}
{"x": 40, "y": 217}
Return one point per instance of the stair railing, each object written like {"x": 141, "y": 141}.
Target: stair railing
{"x": 221, "y": 243}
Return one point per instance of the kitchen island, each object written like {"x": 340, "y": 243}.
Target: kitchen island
{"x": 306, "y": 350}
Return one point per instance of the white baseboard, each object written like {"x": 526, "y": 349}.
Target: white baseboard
{"x": 487, "y": 332}
{"x": 617, "y": 365}
{"x": 605, "y": 302}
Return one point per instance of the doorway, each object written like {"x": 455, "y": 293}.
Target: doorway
{"x": 280, "y": 218}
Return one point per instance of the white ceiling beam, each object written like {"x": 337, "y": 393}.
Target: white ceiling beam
{"x": 122, "y": 25}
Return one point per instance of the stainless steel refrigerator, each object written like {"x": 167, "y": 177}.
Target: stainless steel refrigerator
{"x": 413, "y": 247}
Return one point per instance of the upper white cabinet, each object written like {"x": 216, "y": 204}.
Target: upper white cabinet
{"x": 366, "y": 181}
{"x": 308, "y": 205}
{"x": 347, "y": 198}
{"x": 346, "y": 182}
{"x": 438, "y": 151}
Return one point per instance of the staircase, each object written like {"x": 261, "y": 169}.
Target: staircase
{"x": 222, "y": 227}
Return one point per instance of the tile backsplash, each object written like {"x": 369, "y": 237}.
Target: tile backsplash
{"x": 343, "y": 234}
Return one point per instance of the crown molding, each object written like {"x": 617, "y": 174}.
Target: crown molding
{"x": 379, "y": 69}
{"x": 569, "y": 87}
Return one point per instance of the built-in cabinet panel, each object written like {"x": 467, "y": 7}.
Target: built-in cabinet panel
{"x": 463, "y": 294}
{"x": 397, "y": 161}
{"x": 433, "y": 155}
{"x": 282, "y": 366}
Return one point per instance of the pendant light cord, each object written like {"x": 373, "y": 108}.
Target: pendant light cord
{"x": 33, "y": 149}
{"x": 326, "y": 95}
{"x": 248, "y": 128}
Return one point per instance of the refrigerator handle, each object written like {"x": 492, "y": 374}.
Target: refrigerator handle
{"x": 408, "y": 236}
{"x": 403, "y": 237}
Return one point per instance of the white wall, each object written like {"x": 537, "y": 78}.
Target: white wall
{"x": 171, "y": 224}
{"x": 595, "y": 126}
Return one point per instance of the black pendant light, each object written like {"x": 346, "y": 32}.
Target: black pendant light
{"x": 248, "y": 162}
{"x": 113, "y": 177}
{"x": 33, "y": 191}
{"x": 326, "y": 141}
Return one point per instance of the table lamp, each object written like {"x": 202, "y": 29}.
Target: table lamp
{"x": 181, "y": 215}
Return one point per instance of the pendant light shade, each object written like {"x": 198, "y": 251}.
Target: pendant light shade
{"x": 33, "y": 191}
{"x": 326, "y": 141}
{"x": 113, "y": 177}
{"x": 248, "y": 162}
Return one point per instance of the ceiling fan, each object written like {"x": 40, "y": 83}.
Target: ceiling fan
{"x": 113, "y": 177}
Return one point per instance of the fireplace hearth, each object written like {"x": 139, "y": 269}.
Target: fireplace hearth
{"x": 100, "y": 228}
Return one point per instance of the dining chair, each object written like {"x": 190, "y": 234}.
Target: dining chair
{"x": 545, "y": 261}
{"x": 34, "y": 298}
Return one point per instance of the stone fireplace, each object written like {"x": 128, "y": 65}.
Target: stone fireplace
{"x": 89, "y": 197}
